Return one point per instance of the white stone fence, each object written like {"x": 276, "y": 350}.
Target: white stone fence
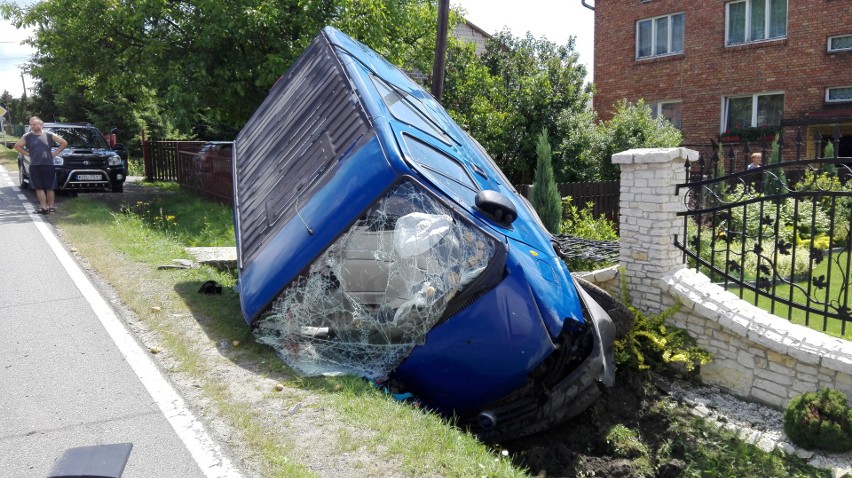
{"x": 756, "y": 355}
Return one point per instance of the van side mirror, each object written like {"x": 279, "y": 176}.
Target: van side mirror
{"x": 497, "y": 207}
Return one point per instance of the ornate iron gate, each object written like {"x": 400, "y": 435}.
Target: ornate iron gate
{"x": 777, "y": 233}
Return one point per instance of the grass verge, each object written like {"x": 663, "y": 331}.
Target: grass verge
{"x": 286, "y": 431}
{"x": 126, "y": 248}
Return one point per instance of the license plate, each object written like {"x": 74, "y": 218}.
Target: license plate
{"x": 89, "y": 177}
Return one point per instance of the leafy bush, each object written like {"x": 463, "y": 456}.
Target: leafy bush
{"x": 839, "y": 207}
{"x": 715, "y": 246}
{"x": 653, "y": 344}
{"x": 582, "y": 223}
{"x": 821, "y": 420}
{"x": 632, "y": 126}
{"x": 799, "y": 220}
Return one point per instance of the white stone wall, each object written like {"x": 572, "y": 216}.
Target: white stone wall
{"x": 648, "y": 220}
{"x": 756, "y": 355}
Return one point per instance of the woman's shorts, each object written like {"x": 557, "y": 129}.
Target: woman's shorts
{"x": 42, "y": 177}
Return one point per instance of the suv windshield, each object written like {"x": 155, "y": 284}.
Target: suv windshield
{"x": 81, "y": 137}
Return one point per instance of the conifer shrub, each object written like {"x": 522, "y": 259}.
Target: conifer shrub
{"x": 821, "y": 420}
{"x": 545, "y": 195}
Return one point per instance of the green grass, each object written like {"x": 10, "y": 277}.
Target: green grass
{"x": 710, "y": 452}
{"x": 8, "y": 156}
{"x": 796, "y": 315}
{"x": 126, "y": 247}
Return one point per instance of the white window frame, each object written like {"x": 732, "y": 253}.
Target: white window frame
{"x": 747, "y": 26}
{"x": 653, "y": 21}
{"x": 828, "y": 94}
{"x": 832, "y": 50}
{"x": 657, "y": 109}
{"x": 724, "y": 123}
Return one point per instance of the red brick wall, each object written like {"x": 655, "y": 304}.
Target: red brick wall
{"x": 707, "y": 71}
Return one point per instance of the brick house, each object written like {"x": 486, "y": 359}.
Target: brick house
{"x": 718, "y": 66}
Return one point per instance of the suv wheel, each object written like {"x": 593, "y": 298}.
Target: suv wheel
{"x": 117, "y": 188}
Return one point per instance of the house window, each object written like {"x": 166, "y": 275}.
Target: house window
{"x": 840, "y": 43}
{"x": 755, "y": 20}
{"x": 753, "y": 111}
{"x": 838, "y": 95}
{"x": 670, "y": 110}
{"x": 659, "y": 36}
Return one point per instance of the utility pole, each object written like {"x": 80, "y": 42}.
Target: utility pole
{"x": 439, "y": 66}
{"x": 24, "y": 96}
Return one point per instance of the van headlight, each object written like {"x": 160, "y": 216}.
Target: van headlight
{"x": 58, "y": 161}
{"x": 114, "y": 161}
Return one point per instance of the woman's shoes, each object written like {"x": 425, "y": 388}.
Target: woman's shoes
{"x": 51, "y": 210}
{"x": 43, "y": 211}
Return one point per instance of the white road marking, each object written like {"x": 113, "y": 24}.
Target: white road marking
{"x": 206, "y": 453}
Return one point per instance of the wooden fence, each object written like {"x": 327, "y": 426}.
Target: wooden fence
{"x": 602, "y": 197}
{"x": 206, "y": 173}
{"x": 179, "y": 161}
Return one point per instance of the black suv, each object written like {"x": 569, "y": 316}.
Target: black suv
{"x": 87, "y": 163}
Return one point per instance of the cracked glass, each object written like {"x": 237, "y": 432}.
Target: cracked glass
{"x": 376, "y": 292}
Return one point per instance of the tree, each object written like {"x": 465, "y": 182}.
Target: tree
{"x": 184, "y": 67}
{"x": 519, "y": 87}
{"x": 545, "y": 195}
{"x": 19, "y": 109}
{"x": 632, "y": 126}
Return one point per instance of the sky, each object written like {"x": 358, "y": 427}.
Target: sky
{"x": 12, "y": 57}
{"x": 555, "y": 19}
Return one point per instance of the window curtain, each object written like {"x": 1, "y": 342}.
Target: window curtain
{"x": 758, "y": 20}
{"x": 677, "y": 32}
{"x": 736, "y": 22}
{"x": 739, "y": 113}
{"x": 778, "y": 19}
{"x": 673, "y": 112}
{"x": 841, "y": 43}
{"x": 644, "y": 39}
{"x": 769, "y": 110}
{"x": 662, "y": 38}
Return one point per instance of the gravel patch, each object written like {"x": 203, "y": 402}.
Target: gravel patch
{"x": 754, "y": 423}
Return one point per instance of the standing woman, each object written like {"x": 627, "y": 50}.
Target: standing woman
{"x": 37, "y": 145}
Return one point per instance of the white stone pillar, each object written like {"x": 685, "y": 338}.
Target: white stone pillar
{"x": 648, "y": 220}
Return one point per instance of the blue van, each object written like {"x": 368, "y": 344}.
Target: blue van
{"x": 376, "y": 238}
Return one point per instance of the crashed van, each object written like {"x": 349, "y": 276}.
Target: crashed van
{"x": 376, "y": 238}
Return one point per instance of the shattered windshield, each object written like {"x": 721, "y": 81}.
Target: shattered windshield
{"x": 375, "y": 293}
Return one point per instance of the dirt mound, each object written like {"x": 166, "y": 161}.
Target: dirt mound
{"x": 584, "y": 446}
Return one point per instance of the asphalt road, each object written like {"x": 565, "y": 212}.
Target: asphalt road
{"x": 71, "y": 374}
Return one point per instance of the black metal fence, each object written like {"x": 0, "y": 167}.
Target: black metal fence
{"x": 777, "y": 232}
